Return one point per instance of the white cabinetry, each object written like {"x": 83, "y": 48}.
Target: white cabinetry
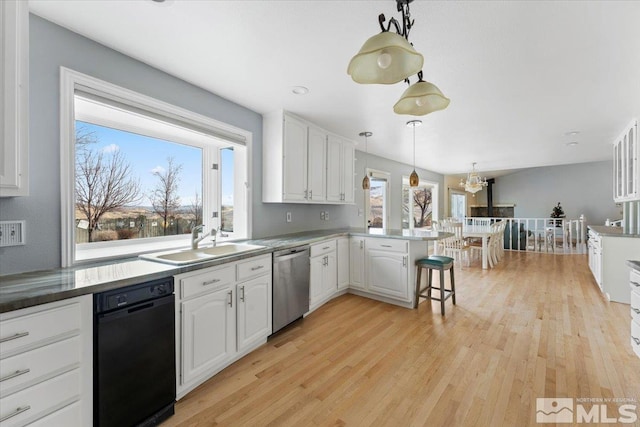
{"x": 340, "y": 167}
{"x": 343, "y": 262}
{"x": 626, "y": 175}
{"x": 222, "y": 313}
{"x": 607, "y": 260}
{"x": 46, "y": 364}
{"x": 387, "y": 263}
{"x": 297, "y": 165}
{"x": 14, "y": 112}
{"x": 356, "y": 261}
{"x": 634, "y": 284}
{"x": 323, "y": 280}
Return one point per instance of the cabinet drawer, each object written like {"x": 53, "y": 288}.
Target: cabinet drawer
{"x": 634, "y": 281}
{"x": 635, "y": 307}
{"x": 40, "y": 399}
{"x": 26, "y": 331}
{"x": 253, "y": 267}
{"x": 390, "y": 245}
{"x": 70, "y": 415}
{"x": 322, "y": 248}
{"x": 205, "y": 282}
{"x": 27, "y": 368}
{"x": 635, "y": 337}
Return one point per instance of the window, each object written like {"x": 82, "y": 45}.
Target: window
{"x": 377, "y": 200}
{"x": 457, "y": 204}
{"x": 145, "y": 173}
{"x": 419, "y": 204}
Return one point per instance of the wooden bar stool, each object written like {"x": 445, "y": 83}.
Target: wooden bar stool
{"x": 440, "y": 263}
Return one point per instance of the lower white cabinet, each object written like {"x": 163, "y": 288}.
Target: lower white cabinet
{"x": 342, "y": 255}
{"x": 356, "y": 263}
{"x": 323, "y": 280}
{"x": 46, "y": 364}
{"x": 222, "y": 313}
{"x": 634, "y": 284}
{"x": 388, "y": 268}
{"x": 208, "y": 333}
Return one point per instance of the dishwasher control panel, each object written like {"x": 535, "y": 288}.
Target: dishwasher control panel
{"x": 118, "y": 298}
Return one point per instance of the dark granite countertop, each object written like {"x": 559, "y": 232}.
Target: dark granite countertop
{"x": 606, "y": 231}
{"x": 633, "y": 264}
{"x": 39, "y": 287}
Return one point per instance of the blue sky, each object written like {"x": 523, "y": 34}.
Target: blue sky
{"x": 146, "y": 154}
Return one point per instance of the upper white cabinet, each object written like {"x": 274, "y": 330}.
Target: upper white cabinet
{"x": 626, "y": 176}
{"x": 340, "y": 158}
{"x": 14, "y": 112}
{"x": 302, "y": 164}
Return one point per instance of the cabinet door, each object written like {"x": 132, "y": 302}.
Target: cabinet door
{"x": 316, "y": 277}
{"x": 388, "y": 274}
{"x": 343, "y": 263}
{"x": 356, "y": 261}
{"x": 14, "y": 111}
{"x": 334, "y": 169}
{"x": 208, "y": 333}
{"x": 254, "y": 311}
{"x": 348, "y": 158}
{"x": 317, "y": 168}
{"x": 330, "y": 277}
{"x": 295, "y": 160}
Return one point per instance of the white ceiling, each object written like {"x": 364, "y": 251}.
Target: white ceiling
{"x": 520, "y": 74}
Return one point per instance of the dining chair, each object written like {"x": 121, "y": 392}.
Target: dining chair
{"x": 456, "y": 246}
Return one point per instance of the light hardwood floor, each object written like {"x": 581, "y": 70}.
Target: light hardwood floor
{"x": 535, "y": 326}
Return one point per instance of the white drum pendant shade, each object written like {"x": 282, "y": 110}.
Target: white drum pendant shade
{"x": 385, "y": 58}
{"x": 421, "y": 98}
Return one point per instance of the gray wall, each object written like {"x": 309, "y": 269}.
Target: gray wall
{"x": 583, "y": 188}
{"x": 52, "y": 46}
{"x": 397, "y": 171}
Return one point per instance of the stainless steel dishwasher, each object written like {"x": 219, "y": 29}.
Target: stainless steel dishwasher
{"x": 290, "y": 285}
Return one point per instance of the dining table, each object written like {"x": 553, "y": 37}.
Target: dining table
{"x": 483, "y": 232}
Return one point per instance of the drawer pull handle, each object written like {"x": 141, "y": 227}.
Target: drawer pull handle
{"x": 18, "y": 411}
{"x": 257, "y": 267}
{"x": 636, "y": 284}
{"x": 15, "y": 374}
{"x": 14, "y": 337}
{"x": 636, "y": 310}
{"x": 326, "y": 247}
{"x": 632, "y": 337}
{"x": 210, "y": 282}
{"x": 386, "y": 246}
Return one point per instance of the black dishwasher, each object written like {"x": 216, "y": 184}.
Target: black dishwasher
{"x": 134, "y": 355}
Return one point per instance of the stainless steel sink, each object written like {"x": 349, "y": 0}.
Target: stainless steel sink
{"x": 190, "y": 256}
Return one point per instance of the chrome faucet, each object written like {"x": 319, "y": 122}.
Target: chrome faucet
{"x": 195, "y": 239}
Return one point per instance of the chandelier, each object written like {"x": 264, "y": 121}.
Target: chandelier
{"x": 388, "y": 58}
{"x": 474, "y": 183}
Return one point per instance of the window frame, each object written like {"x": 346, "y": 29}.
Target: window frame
{"x": 69, "y": 80}
{"x": 380, "y": 176}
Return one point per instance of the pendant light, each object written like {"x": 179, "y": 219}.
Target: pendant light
{"x": 387, "y": 57}
{"x": 366, "y": 184}
{"x": 414, "y": 180}
{"x": 421, "y": 98}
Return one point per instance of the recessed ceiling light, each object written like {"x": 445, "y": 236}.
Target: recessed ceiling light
{"x": 300, "y": 90}
{"x": 572, "y": 133}
{"x": 572, "y": 143}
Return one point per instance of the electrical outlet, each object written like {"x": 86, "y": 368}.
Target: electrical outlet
{"x": 326, "y": 216}
{"x": 11, "y": 233}
{"x": 288, "y": 216}
{"x": 360, "y": 212}
{"x": 322, "y": 215}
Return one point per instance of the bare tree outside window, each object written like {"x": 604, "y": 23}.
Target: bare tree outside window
{"x": 165, "y": 200}
{"x": 195, "y": 210}
{"x": 422, "y": 204}
{"x": 103, "y": 180}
